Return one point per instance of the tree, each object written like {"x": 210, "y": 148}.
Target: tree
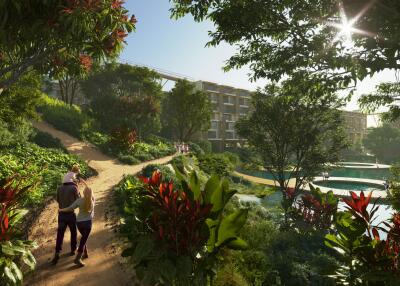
{"x": 186, "y": 111}
{"x": 384, "y": 143}
{"x": 296, "y": 129}
{"x": 342, "y": 41}
{"x": 125, "y": 97}
{"x": 60, "y": 36}
{"x": 386, "y": 94}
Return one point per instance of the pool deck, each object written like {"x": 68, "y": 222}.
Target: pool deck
{"x": 362, "y": 165}
{"x": 338, "y": 192}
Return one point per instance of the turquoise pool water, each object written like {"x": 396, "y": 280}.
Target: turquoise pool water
{"x": 351, "y": 186}
{"x": 376, "y": 174}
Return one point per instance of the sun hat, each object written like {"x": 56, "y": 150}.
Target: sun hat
{"x": 70, "y": 177}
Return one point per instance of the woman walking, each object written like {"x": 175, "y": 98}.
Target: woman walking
{"x": 83, "y": 221}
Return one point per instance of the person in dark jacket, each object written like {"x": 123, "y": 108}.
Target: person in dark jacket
{"x": 67, "y": 193}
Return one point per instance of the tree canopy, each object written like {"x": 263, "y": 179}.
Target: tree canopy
{"x": 279, "y": 38}
{"x": 186, "y": 111}
{"x": 296, "y": 129}
{"x": 125, "y": 96}
{"x": 60, "y": 36}
{"x": 384, "y": 143}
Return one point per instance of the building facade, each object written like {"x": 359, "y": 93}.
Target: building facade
{"x": 355, "y": 126}
{"x": 228, "y": 105}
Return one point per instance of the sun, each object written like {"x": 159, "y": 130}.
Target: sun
{"x": 346, "y": 27}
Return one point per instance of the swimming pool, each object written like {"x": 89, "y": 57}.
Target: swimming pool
{"x": 376, "y": 173}
{"x": 351, "y": 186}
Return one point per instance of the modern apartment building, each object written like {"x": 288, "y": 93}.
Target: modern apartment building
{"x": 228, "y": 104}
{"x": 355, "y": 125}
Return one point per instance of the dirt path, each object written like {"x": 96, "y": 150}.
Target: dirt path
{"x": 103, "y": 267}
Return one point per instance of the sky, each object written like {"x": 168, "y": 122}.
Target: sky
{"x": 179, "y": 46}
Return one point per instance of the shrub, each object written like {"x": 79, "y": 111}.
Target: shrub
{"x": 65, "y": 117}
{"x": 196, "y": 149}
{"x": 28, "y": 159}
{"x": 14, "y": 252}
{"x": 216, "y": 164}
{"x": 205, "y": 145}
{"x": 44, "y": 139}
{"x": 128, "y": 159}
{"x": 11, "y": 134}
{"x": 183, "y": 231}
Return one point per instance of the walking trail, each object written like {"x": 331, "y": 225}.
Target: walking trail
{"x": 103, "y": 268}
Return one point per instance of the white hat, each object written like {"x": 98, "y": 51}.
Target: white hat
{"x": 70, "y": 177}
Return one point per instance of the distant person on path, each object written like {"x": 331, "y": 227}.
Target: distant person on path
{"x": 67, "y": 193}
{"x": 83, "y": 221}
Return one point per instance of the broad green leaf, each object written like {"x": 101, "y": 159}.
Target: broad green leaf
{"x": 212, "y": 184}
{"x": 212, "y": 226}
{"x": 194, "y": 184}
{"x": 143, "y": 248}
{"x": 230, "y": 226}
{"x": 238, "y": 244}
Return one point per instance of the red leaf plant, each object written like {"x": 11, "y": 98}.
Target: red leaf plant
{"x": 176, "y": 219}
{"x": 393, "y": 241}
{"x": 316, "y": 213}
{"x": 10, "y": 195}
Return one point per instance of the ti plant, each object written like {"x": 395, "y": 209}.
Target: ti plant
{"x": 368, "y": 260}
{"x": 187, "y": 229}
{"x": 13, "y": 251}
{"x": 317, "y": 209}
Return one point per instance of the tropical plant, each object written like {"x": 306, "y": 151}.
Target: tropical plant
{"x": 14, "y": 252}
{"x": 368, "y": 259}
{"x": 394, "y": 187}
{"x": 317, "y": 209}
{"x": 59, "y": 36}
{"x": 185, "y": 229}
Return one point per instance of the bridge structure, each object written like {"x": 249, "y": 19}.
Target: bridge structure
{"x": 164, "y": 74}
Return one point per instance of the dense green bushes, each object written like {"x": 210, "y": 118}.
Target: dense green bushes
{"x": 73, "y": 120}
{"x": 65, "y": 117}
{"x": 44, "y": 139}
{"x": 221, "y": 164}
{"x": 51, "y": 164}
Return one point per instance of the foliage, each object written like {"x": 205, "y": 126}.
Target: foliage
{"x": 394, "y": 187}
{"x": 28, "y": 159}
{"x": 44, "y": 139}
{"x": 295, "y": 127}
{"x": 183, "y": 231}
{"x": 11, "y": 134}
{"x": 185, "y": 111}
{"x": 196, "y": 149}
{"x": 67, "y": 118}
{"x": 59, "y": 36}
{"x": 19, "y": 101}
{"x": 215, "y": 163}
{"x": 385, "y": 95}
{"x": 14, "y": 252}
{"x": 205, "y": 145}
{"x": 280, "y": 38}
{"x": 125, "y": 97}
{"x": 367, "y": 259}
{"x": 124, "y": 138}
{"x": 276, "y": 257}
{"x": 384, "y": 142}
{"x": 317, "y": 209}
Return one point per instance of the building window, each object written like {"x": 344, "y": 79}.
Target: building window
{"x": 229, "y": 135}
{"x": 214, "y": 125}
{"x": 244, "y": 110}
{"x": 229, "y": 99}
{"x": 231, "y": 126}
{"x": 212, "y": 134}
{"x": 229, "y": 109}
{"x": 227, "y": 117}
